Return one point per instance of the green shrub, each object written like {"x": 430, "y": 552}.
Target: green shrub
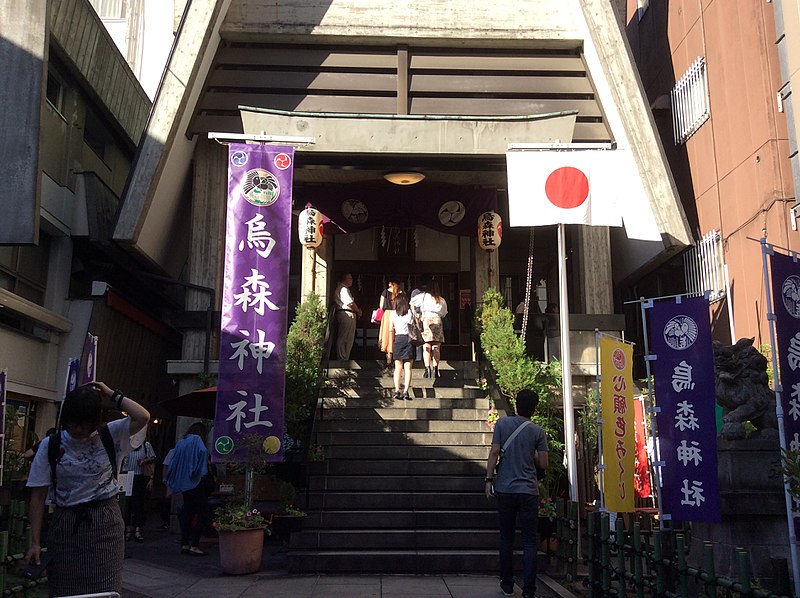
{"x": 515, "y": 371}
{"x": 303, "y": 354}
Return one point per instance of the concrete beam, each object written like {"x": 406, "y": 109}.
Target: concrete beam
{"x": 403, "y": 134}
{"x": 613, "y": 70}
{"x": 548, "y": 23}
{"x": 151, "y": 207}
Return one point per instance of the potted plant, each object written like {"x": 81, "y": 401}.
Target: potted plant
{"x": 288, "y": 519}
{"x": 241, "y": 538}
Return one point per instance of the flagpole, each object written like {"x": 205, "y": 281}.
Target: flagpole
{"x": 780, "y": 415}
{"x": 566, "y": 369}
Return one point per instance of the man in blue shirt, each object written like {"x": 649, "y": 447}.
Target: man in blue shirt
{"x": 515, "y": 487}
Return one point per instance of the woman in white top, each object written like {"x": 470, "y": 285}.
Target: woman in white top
{"x": 433, "y": 308}
{"x": 402, "y": 351}
{"x": 85, "y": 541}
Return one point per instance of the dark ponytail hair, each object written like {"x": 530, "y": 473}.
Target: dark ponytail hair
{"x": 401, "y": 306}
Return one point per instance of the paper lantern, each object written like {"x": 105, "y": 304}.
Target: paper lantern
{"x": 309, "y": 228}
{"x": 490, "y": 230}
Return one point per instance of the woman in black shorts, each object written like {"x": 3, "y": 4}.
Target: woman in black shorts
{"x": 403, "y": 351}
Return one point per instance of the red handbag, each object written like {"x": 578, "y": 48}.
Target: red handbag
{"x": 377, "y": 315}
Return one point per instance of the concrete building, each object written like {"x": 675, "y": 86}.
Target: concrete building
{"x": 552, "y": 71}
{"x": 720, "y": 91}
{"x": 73, "y": 114}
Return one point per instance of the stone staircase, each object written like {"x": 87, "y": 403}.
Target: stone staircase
{"x": 401, "y": 487}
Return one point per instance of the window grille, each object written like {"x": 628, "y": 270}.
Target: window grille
{"x": 690, "y": 106}
{"x": 704, "y": 265}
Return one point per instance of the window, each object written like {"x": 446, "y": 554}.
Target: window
{"x": 109, "y": 9}
{"x": 23, "y": 269}
{"x": 56, "y": 93}
{"x": 690, "y": 105}
{"x": 704, "y": 265}
{"x": 96, "y": 135}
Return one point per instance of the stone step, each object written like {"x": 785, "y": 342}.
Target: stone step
{"x": 402, "y": 425}
{"x": 398, "y": 519}
{"x": 404, "y": 411}
{"x": 380, "y": 364}
{"x": 402, "y": 561}
{"x": 437, "y": 467}
{"x": 404, "y": 451}
{"x": 440, "y": 439}
{"x": 399, "y": 483}
{"x": 427, "y": 390}
{"x": 360, "y": 500}
{"x": 421, "y": 400}
{"x": 402, "y": 539}
{"x": 377, "y": 383}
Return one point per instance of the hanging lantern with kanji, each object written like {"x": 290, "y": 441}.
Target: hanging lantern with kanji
{"x": 490, "y": 230}
{"x": 309, "y": 227}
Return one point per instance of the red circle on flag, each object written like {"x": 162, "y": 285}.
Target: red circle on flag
{"x": 566, "y": 187}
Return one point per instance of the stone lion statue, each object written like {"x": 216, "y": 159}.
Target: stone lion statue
{"x": 742, "y": 388}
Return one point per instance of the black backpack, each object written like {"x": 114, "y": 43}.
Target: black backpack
{"x": 54, "y": 451}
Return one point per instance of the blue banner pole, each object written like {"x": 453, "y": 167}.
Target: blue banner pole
{"x": 765, "y": 249}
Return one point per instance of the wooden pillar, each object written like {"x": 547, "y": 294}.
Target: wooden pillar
{"x": 487, "y": 272}
{"x": 593, "y": 250}
{"x": 206, "y": 255}
{"x": 317, "y": 270}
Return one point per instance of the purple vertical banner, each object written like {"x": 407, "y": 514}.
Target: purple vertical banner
{"x": 73, "y": 375}
{"x": 89, "y": 360}
{"x": 683, "y": 371}
{"x": 255, "y": 295}
{"x": 786, "y": 305}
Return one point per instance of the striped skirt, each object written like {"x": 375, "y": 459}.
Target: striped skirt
{"x": 87, "y": 547}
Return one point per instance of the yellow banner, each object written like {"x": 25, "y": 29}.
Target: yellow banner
{"x": 619, "y": 445}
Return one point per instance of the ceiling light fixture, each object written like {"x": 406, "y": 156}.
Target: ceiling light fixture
{"x": 404, "y": 178}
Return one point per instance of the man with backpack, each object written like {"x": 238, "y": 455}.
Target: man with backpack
{"x": 519, "y": 447}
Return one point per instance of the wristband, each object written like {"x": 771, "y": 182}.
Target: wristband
{"x": 116, "y": 398}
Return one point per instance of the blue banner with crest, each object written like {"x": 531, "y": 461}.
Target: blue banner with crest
{"x": 683, "y": 372}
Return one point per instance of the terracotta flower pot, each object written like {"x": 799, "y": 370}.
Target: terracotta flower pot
{"x": 240, "y": 552}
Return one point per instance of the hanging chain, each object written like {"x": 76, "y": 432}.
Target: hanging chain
{"x": 528, "y": 281}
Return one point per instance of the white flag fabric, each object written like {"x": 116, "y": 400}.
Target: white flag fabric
{"x": 591, "y": 187}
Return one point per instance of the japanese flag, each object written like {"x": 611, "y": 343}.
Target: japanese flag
{"x": 591, "y": 187}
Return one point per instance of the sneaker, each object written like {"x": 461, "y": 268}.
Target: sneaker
{"x": 507, "y": 590}
{"x": 405, "y": 396}
{"x": 396, "y": 395}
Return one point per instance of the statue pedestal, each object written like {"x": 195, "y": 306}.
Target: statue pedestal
{"x": 753, "y": 513}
